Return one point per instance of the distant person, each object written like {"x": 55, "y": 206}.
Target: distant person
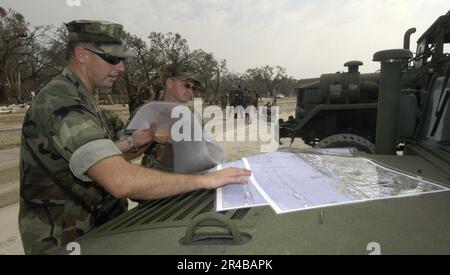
{"x": 143, "y": 94}
{"x": 157, "y": 87}
{"x": 73, "y": 177}
{"x": 224, "y": 101}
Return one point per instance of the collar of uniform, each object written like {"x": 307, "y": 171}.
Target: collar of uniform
{"x": 67, "y": 73}
{"x": 87, "y": 98}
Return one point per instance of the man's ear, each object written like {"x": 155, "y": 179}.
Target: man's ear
{"x": 80, "y": 54}
{"x": 169, "y": 83}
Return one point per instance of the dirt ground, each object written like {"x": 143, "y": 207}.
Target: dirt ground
{"x": 9, "y": 140}
{"x": 234, "y": 150}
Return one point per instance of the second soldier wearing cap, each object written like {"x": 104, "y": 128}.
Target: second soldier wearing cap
{"x": 68, "y": 162}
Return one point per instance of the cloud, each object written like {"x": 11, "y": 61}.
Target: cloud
{"x": 308, "y": 38}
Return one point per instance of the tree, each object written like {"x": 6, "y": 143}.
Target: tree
{"x": 287, "y": 86}
{"x": 54, "y": 54}
{"x": 220, "y": 71}
{"x": 267, "y": 77}
{"x": 161, "y": 57}
{"x": 13, "y": 37}
{"x": 27, "y": 60}
{"x": 31, "y": 56}
{"x": 204, "y": 65}
{"x": 141, "y": 68}
{"x": 171, "y": 52}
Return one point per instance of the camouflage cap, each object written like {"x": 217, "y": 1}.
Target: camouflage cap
{"x": 107, "y": 36}
{"x": 188, "y": 76}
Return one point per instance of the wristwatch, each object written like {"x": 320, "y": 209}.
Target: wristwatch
{"x": 134, "y": 148}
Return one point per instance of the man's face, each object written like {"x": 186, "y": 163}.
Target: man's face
{"x": 179, "y": 90}
{"x": 102, "y": 70}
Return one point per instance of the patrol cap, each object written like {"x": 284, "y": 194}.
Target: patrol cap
{"x": 188, "y": 76}
{"x": 107, "y": 36}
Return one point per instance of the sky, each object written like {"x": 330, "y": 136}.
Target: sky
{"x": 307, "y": 37}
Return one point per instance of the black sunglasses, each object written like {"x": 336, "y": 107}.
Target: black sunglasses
{"x": 111, "y": 59}
{"x": 187, "y": 85}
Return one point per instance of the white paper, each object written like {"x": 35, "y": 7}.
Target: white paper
{"x": 237, "y": 195}
{"x": 291, "y": 182}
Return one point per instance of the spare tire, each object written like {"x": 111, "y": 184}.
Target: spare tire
{"x": 347, "y": 140}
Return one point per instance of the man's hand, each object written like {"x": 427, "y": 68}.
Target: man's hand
{"x": 142, "y": 137}
{"x": 162, "y": 137}
{"x": 226, "y": 176}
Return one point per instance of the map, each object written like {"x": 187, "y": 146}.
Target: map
{"x": 238, "y": 195}
{"x": 296, "y": 181}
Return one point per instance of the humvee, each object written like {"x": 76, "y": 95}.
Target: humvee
{"x": 406, "y": 102}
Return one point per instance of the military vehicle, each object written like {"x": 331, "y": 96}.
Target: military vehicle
{"x": 189, "y": 224}
{"x": 340, "y": 109}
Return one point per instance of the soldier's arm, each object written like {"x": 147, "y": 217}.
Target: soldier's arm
{"x": 125, "y": 180}
{"x": 79, "y": 138}
{"x": 141, "y": 138}
{"x": 126, "y": 150}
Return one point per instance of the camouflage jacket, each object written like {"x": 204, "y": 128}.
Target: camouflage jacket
{"x": 114, "y": 123}
{"x": 62, "y": 126}
{"x": 159, "y": 156}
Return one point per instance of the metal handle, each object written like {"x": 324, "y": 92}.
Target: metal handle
{"x": 190, "y": 230}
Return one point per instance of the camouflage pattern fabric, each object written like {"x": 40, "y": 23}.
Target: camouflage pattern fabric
{"x": 187, "y": 76}
{"x": 159, "y": 156}
{"x": 106, "y": 35}
{"x": 113, "y": 122}
{"x": 63, "y": 117}
{"x": 94, "y": 31}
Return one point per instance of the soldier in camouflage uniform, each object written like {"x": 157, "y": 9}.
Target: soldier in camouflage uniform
{"x": 255, "y": 98}
{"x": 71, "y": 172}
{"x": 239, "y": 101}
{"x": 224, "y": 101}
{"x": 63, "y": 126}
{"x": 179, "y": 88}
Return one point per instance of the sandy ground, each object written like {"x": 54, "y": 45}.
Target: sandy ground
{"x": 9, "y": 140}
{"x": 10, "y": 242}
{"x": 12, "y": 139}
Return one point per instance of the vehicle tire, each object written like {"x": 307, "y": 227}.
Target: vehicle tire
{"x": 347, "y": 140}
